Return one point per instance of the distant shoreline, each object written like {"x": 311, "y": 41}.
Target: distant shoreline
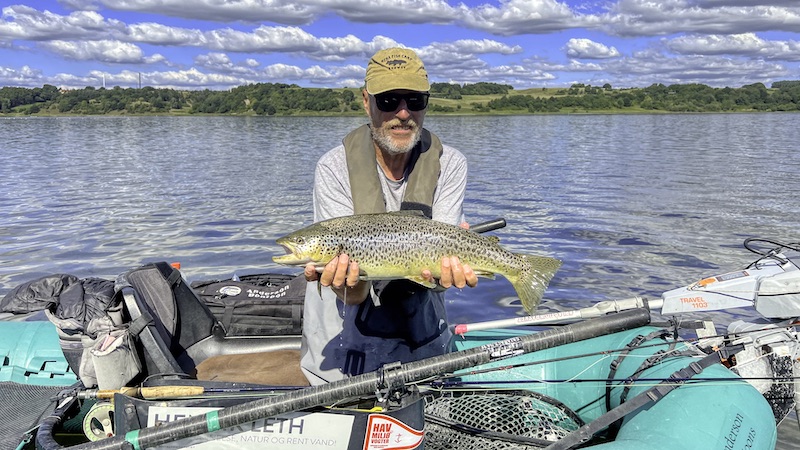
{"x": 481, "y": 99}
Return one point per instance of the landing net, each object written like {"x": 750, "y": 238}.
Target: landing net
{"x": 492, "y": 419}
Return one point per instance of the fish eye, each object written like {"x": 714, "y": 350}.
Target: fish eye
{"x": 301, "y": 240}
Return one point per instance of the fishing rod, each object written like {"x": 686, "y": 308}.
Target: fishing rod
{"x": 644, "y": 381}
{"x": 170, "y": 391}
{"x": 390, "y": 377}
{"x": 693, "y": 342}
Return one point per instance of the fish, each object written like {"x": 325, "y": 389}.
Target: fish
{"x": 400, "y": 245}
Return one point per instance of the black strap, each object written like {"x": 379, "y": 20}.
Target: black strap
{"x": 656, "y": 358}
{"x": 637, "y": 341}
{"x": 652, "y": 395}
{"x": 140, "y": 323}
{"x": 227, "y": 316}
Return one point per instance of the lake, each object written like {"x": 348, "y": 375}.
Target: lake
{"x": 633, "y": 204}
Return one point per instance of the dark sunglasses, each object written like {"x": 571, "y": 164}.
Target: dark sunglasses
{"x": 388, "y": 101}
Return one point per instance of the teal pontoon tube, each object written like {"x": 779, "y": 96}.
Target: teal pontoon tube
{"x": 369, "y": 383}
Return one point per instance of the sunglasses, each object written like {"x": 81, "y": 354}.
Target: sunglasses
{"x": 388, "y": 102}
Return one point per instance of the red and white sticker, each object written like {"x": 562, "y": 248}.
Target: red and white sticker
{"x": 387, "y": 433}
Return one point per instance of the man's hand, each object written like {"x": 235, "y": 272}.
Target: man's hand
{"x": 341, "y": 274}
{"x": 454, "y": 273}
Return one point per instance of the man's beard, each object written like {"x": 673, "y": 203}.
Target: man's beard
{"x": 382, "y": 136}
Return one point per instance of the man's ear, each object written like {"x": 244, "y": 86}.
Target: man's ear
{"x": 365, "y": 98}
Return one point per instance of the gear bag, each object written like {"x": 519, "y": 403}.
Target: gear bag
{"x": 263, "y": 304}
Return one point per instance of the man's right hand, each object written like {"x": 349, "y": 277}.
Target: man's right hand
{"x": 342, "y": 275}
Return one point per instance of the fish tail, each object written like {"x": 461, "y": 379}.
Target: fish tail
{"x": 531, "y": 282}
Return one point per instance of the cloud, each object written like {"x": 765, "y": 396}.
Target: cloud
{"x": 104, "y": 51}
{"x": 318, "y": 42}
{"x": 515, "y": 17}
{"x": 649, "y": 67}
{"x": 221, "y": 63}
{"x": 26, "y": 23}
{"x": 252, "y": 11}
{"x": 263, "y": 39}
{"x": 395, "y": 11}
{"x": 159, "y": 34}
{"x": 285, "y": 12}
{"x": 588, "y": 49}
{"x": 25, "y": 76}
{"x": 650, "y": 18}
{"x": 745, "y": 44}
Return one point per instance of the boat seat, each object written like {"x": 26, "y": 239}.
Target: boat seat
{"x": 176, "y": 329}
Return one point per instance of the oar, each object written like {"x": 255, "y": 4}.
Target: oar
{"x": 390, "y": 376}
{"x": 596, "y": 310}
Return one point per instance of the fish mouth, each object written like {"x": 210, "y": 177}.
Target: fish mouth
{"x": 291, "y": 258}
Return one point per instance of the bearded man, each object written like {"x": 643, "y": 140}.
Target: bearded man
{"x": 352, "y": 326}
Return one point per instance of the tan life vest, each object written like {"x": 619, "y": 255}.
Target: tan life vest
{"x": 365, "y": 185}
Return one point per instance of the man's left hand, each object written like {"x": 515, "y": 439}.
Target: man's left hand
{"x": 454, "y": 273}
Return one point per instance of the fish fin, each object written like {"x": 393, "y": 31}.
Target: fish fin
{"x": 419, "y": 280}
{"x": 485, "y": 274}
{"x": 532, "y": 281}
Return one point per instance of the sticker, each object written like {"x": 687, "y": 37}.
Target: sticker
{"x": 387, "y": 433}
{"x": 291, "y": 431}
{"x": 732, "y": 276}
{"x": 230, "y": 291}
{"x": 504, "y": 349}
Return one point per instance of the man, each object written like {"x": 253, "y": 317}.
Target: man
{"x": 353, "y": 326}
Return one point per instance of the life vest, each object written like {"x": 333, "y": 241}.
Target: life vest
{"x": 365, "y": 185}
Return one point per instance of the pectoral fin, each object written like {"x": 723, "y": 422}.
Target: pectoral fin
{"x": 485, "y": 274}
{"x": 419, "y": 280}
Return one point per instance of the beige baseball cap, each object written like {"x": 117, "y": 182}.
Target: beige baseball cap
{"x": 396, "y": 68}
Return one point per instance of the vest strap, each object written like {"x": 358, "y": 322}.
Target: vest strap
{"x": 365, "y": 184}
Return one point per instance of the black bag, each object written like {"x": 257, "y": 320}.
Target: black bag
{"x": 256, "y": 305}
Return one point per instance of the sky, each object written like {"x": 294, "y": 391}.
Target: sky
{"x": 219, "y": 44}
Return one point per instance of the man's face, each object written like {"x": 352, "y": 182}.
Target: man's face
{"x": 398, "y": 129}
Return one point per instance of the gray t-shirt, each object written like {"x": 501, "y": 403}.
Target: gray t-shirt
{"x": 401, "y": 321}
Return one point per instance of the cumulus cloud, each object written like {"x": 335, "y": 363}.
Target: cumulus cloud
{"x": 24, "y": 22}
{"x": 589, "y": 49}
{"x": 513, "y": 17}
{"x": 159, "y": 34}
{"x": 712, "y": 70}
{"x": 222, "y": 63}
{"x": 277, "y": 11}
{"x": 219, "y": 44}
{"x": 650, "y": 18}
{"x": 103, "y": 51}
{"x": 395, "y": 11}
{"x": 746, "y": 44}
{"x": 24, "y": 76}
{"x": 286, "y": 12}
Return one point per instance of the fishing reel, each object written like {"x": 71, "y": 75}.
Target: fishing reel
{"x": 98, "y": 423}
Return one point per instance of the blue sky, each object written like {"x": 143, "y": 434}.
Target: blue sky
{"x": 219, "y": 44}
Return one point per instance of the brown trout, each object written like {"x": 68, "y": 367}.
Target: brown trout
{"x": 401, "y": 245}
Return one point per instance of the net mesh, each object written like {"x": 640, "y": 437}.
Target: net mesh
{"x": 21, "y": 407}
{"x": 483, "y": 420}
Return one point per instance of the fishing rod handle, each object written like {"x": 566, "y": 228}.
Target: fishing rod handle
{"x": 491, "y": 225}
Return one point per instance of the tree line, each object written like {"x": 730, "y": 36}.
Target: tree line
{"x": 287, "y": 99}
{"x": 784, "y": 96}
